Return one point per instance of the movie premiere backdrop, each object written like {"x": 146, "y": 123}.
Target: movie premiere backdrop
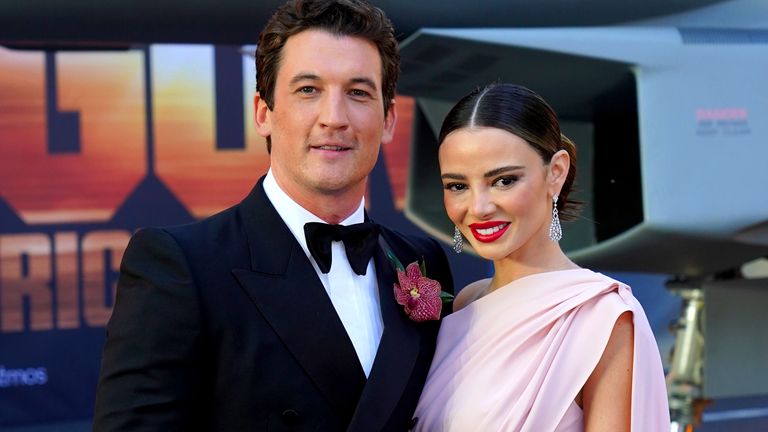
{"x": 93, "y": 146}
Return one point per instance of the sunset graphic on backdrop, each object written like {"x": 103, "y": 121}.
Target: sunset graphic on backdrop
{"x": 95, "y": 145}
{"x": 108, "y": 93}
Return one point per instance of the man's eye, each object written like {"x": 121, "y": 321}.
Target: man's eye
{"x": 307, "y": 90}
{"x": 359, "y": 93}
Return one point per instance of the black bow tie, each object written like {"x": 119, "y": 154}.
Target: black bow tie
{"x": 359, "y": 243}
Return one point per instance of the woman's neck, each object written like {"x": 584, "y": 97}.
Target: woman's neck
{"x": 514, "y": 267}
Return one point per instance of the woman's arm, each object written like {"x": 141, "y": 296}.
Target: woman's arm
{"x": 607, "y": 394}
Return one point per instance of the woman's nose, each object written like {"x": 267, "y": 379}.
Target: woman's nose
{"x": 482, "y": 205}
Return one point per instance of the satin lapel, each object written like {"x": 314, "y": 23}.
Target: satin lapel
{"x": 284, "y": 287}
{"x": 395, "y": 358}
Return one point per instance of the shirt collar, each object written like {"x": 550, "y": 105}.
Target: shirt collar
{"x": 295, "y": 216}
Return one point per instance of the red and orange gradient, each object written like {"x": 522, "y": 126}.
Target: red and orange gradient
{"x": 108, "y": 92}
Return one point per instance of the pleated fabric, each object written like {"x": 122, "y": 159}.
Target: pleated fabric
{"x": 515, "y": 359}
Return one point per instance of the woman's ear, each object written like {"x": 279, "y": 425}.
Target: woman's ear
{"x": 559, "y": 166}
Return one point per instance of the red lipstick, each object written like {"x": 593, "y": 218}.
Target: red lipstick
{"x": 487, "y": 232}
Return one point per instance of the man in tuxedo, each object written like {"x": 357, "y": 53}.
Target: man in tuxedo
{"x": 279, "y": 313}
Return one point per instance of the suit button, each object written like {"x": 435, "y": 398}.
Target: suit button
{"x": 290, "y": 417}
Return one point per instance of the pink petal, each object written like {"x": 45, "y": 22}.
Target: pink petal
{"x": 427, "y": 305}
{"x": 428, "y": 287}
{"x": 413, "y": 303}
{"x": 413, "y": 271}
{"x": 404, "y": 280}
{"x": 401, "y": 295}
{"x": 427, "y": 309}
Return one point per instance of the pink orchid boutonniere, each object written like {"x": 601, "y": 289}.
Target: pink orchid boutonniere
{"x": 420, "y": 296}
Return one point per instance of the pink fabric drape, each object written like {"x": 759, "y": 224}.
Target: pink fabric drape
{"x": 515, "y": 359}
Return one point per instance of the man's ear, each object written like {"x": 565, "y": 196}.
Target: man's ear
{"x": 559, "y": 166}
{"x": 389, "y": 124}
{"x": 262, "y": 116}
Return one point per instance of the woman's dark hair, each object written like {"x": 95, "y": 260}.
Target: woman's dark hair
{"x": 522, "y": 112}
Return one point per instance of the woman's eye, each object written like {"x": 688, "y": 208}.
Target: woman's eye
{"x": 506, "y": 181}
{"x": 455, "y": 187}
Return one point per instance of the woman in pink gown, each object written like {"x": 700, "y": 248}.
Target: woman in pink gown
{"x": 543, "y": 345}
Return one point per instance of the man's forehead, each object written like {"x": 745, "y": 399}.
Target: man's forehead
{"x": 303, "y": 59}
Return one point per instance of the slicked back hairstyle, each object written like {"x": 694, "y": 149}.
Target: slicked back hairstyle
{"x": 522, "y": 112}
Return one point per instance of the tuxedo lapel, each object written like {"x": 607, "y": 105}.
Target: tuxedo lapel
{"x": 286, "y": 291}
{"x": 395, "y": 357}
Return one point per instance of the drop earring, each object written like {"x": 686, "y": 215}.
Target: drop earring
{"x": 458, "y": 241}
{"x": 555, "y": 230}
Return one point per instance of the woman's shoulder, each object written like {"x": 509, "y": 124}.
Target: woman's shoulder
{"x": 470, "y": 293}
{"x": 609, "y": 304}
{"x": 618, "y": 295}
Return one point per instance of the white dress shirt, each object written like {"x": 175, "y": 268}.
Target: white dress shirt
{"x": 355, "y": 297}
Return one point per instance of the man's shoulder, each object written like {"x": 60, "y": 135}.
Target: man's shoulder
{"x": 222, "y": 220}
{"x": 206, "y": 229}
{"x": 218, "y": 238}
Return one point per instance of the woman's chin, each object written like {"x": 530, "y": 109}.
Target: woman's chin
{"x": 489, "y": 251}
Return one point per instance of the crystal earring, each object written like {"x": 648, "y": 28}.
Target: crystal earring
{"x": 555, "y": 230}
{"x": 458, "y": 242}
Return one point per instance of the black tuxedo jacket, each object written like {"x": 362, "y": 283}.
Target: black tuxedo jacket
{"x": 223, "y": 325}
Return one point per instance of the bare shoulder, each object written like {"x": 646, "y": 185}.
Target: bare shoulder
{"x": 470, "y": 293}
{"x": 619, "y": 351}
{"x": 607, "y": 394}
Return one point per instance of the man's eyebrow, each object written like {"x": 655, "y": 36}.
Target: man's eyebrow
{"x": 365, "y": 81}
{"x": 496, "y": 171}
{"x": 306, "y": 76}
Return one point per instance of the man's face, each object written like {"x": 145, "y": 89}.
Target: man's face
{"x": 328, "y": 120}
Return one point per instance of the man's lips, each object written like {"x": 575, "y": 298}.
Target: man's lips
{"x": 334, "y": 147}
{"x": 487, "y": 232}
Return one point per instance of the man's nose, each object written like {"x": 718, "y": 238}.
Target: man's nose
{"x": 333, "y": 113}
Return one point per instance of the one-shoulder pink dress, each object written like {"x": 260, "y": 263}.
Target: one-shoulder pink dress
{"x": 515, "y": 359}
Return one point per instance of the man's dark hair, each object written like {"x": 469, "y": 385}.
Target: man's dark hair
{"x": 356, "y": 18}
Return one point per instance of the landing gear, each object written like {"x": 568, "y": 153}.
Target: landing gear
{"x": 685, "y": 376}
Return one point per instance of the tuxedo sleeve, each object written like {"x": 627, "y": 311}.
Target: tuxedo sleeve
{"x": 150, "y": 371}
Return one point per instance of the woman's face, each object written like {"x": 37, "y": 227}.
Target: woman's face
{"x": 497, "y": 190}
